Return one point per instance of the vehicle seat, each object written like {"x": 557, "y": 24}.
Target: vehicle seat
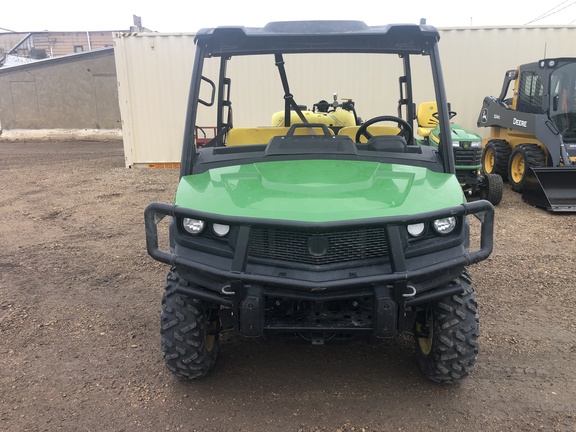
{"x": 425, "y": 118}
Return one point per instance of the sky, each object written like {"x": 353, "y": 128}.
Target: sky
{"x": 177, "y": 16}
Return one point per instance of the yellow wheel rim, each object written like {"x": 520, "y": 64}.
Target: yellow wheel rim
{"x": 425, "y": 343}
{"x": 210, "y": 340}
{"x": 489, "y": 161}
{"x": 210, "y": 329}
{"x": 517, "y": 168}
{"x": 210, "y": 343}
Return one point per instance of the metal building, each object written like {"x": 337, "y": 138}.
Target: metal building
{"x": 71, "y": 92}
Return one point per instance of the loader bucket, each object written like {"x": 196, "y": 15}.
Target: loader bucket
{"x": 552, "y": 188}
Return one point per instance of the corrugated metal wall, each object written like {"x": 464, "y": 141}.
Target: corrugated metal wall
{"x": 474, "y": 61}
{"x": 154, "y": 72}
{"x": 154, "y": 76}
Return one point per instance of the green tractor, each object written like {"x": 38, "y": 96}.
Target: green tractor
{"x": 312, "y": 229}
{"x": 467, "y": 155}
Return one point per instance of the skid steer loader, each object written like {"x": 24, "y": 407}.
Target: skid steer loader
{"x": 532, "y": 139}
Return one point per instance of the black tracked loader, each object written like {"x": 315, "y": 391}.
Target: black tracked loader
{"x": 532, "y": 139}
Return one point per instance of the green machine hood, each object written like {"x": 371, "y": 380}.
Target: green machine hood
{"x": 318, "y": 190}
{"x": 458, "y": 134}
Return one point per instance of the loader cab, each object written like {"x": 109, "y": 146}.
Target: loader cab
{"x": 563, "y": 100}
{"x": 546, "y": 87}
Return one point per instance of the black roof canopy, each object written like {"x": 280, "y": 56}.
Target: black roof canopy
{"x": 318, "y": 36}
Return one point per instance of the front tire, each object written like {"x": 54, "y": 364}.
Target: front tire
{"x": 446, "y": 336}
{"x": 495, "y": 158}
{"x": 492, "y": 189}
{"x": 190, "y": 330}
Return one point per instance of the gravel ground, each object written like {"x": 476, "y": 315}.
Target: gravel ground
{"x": 79, "y": 324}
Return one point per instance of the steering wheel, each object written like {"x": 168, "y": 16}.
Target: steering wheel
{"x": 405, "y": 128}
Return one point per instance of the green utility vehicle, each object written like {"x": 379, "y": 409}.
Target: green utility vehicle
{"x": 313, "y": 229}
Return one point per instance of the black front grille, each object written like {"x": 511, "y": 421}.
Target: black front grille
{"x": 467, "y": 157}
{"x": 302, "y": 247}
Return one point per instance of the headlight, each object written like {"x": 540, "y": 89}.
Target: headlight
{"x": 445, "y": 225}
{"x": 455, "y": 143}
{"x": 193, "y": 226}
{"x": 471, "y": 144}
{"x": 416, "y": 230}
{"x": 220, "y": 230}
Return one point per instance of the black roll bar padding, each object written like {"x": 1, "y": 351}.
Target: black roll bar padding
{"x": 485, "y": 213}
{"x": 150, "y": 222}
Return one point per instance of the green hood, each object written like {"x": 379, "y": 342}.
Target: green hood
{"x": 318, "y": 190}
{"x": 458, "y": 134}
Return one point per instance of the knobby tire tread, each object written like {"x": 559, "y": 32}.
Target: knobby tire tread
{"x": 501, "y": 151}
{"x": 183, "y": 337}
{"x": 455, "y": 337}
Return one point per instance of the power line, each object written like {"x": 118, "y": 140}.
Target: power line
{"x": 547, "y": 13}
{"x": 551, "y": 12}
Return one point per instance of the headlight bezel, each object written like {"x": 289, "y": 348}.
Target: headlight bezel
{"x": 445, "y": 226}
{"x": 193, "y": 226}
{"x": 416, "y": 230}
{"x": 441, "y": 227}
{"x": 220, "y": 230}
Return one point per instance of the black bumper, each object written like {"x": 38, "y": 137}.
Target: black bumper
{"x": 234, "y": 280}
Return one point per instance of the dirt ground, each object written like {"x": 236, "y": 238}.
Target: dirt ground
{"x": 79, "y": 324}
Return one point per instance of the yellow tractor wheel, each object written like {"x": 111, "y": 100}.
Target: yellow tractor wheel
{"x": 517, "y": 167}
{"x": 524, "y": 157}
{"x": 489, "y": 161}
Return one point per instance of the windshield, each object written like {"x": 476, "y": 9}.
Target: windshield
{"x": 563, "y": 100}
{"x": 337, "y": 90}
